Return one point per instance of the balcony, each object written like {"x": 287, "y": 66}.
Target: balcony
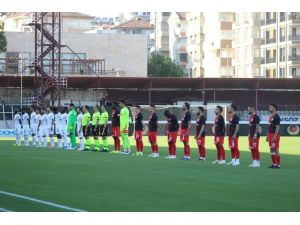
{"x": 270, "y": 21}
{"x": 268, "y": 60}
{"x": 294, "y": 58}
{"x": 271, "y": 41}
{"x": 294, "y": 17}
{"x": 257, "y": 60}
{"x": 282, "y": 38}
{"x": 282, "y": 18}
{"x": 282, "y": 59}
{"x": 294, "y": 37}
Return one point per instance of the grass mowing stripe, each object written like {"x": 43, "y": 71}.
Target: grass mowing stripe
{"x": 41, "y": 201}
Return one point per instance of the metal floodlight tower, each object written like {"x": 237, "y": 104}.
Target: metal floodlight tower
{"x": 47, "y": 56}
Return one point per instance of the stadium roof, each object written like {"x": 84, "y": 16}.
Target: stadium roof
{"x": 148, "y": 83}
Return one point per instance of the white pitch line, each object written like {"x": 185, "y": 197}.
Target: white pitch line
{"x": 5, "y": 210}
{"x": 41, "y": 201}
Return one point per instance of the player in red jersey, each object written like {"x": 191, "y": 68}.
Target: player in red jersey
{"x": 115, "y": 128}
{"x": 200, "y": 132}
{"x": 185, "y": 127}
{"x": 233, "y": 136}
{"x": 138, "y": 131}
{"x": 152, "y": 131}
{"x": 219, "y": 129}
{"x": 273, "y": 136}
{"x": 172, "y": 133}
{"x": 253, "y": 137}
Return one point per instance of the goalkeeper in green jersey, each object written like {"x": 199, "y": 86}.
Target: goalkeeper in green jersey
{"x": 124, "y": 127}
{"x": 104, "y": 128}
{"x": 72, "y": 125}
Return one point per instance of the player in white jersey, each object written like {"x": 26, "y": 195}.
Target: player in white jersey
{"x": 33, "y": 124}
{"x": 43, "y": 129}
{"x": 79, "y": 128}
{"x": 18, "y": 128}
{"x": 50, "y": 125}
{"x": 38, "y": 127}
{"x": 64, "y": 127}
{"x": 57, "y": 124}
{"x": 25, "y": 126}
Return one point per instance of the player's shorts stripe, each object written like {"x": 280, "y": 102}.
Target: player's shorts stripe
{"x": 41, "y": 201}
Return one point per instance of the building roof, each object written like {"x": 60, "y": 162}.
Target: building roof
{"x": 135, "y": 23}
{"x": 182, "y": 15}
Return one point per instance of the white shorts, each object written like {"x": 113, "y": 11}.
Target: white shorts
{"x": 80, "y": 133}
{"x": 33, "y": 129}
{"x": 50, "y": 130}
{"x": 18, "y": 130}
{"x": 26, "y": 130}
{"x": 43, "y": 132}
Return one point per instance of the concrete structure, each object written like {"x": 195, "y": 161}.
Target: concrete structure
{"x": 178, "y": 39}
{"x": 218, "y": 44}
{"x": 246, "y": 42}
{"x": 72, "y": 22}
{"x": 281, "y": 45}
{"x": 160, "y": 36}
{"x": 123, "y": 52}
{"x": 195, "y": 39}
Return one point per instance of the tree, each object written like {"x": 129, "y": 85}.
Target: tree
{"x": 162, "y": 66}
{"x": 3, "y": 41}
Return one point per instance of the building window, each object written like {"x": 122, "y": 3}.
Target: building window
{"x": 294, "y": 31}
{"x": 294, "y": 72}
{"x": 183, "y": 57}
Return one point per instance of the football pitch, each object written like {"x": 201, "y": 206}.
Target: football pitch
{"x": 39, "y": 179}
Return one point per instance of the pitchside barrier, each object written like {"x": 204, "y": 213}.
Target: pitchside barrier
{"x": 289, "y": 126}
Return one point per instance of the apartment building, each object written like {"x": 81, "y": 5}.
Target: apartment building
{"x": 72, "y": 22}
{"x": 218, "y": 49}
{"x": 160, "y": 36}
{"x": 178, "y": 39}
{"x": 195, "y": 39}
{"x": 281, "y": 44}
{"x": 247, "y": 42}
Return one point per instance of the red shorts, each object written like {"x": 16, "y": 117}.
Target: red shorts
{"x": 219, "y": 140}
{"x": 253, "y": 144}
{"x": 184, "y": 135}
{"x": 115, "y": 131}
{"x": 138, "y": 135}
{"x": 200, "y": 141}
{"x": 274, "y": 145}
{"x": 233, "y": 143}
{"x": 152, "y": 136}
{"x": 172, "y": 136}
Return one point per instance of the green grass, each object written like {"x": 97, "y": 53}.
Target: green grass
{"x": 107, "y": 182}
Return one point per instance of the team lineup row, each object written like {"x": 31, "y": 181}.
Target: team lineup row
{"x": 44, "y": 124}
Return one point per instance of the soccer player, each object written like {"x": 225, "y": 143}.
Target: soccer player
{"x": 79, "y": 128}
{"x": 138, "y": 131}
{"x": 172, "y": 133}
{"x": 43, "y": 129}
{"x": 124, "y": 127}
{"x": 33, "y": 123}
{"x": 86, "y": 127}
{"x": 273, "y": 136}
{"x": 64, "y": 128}
{"x": 254, "y": 134}
{"x": 152, "y": 131}
{"x": 104, "y": 127}
{"x": 38, "y": 127}
{"x": 200, "y": 133}
{"x": 115, "y": 128}
{"x": 72, "y": 116}
{"x": 233, "y": 136}
{"x": 219, "y": 129}
{"x": 185, "y": 127}
{"x": 58, "y": 127}
{"x": 50, "y": 125}
{"x": 25, "y": 126}
{"x": 96, "y": 128}
{"x": 18, "y": 128}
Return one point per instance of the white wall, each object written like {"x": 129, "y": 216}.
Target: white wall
{"x": 126, "y": 52}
